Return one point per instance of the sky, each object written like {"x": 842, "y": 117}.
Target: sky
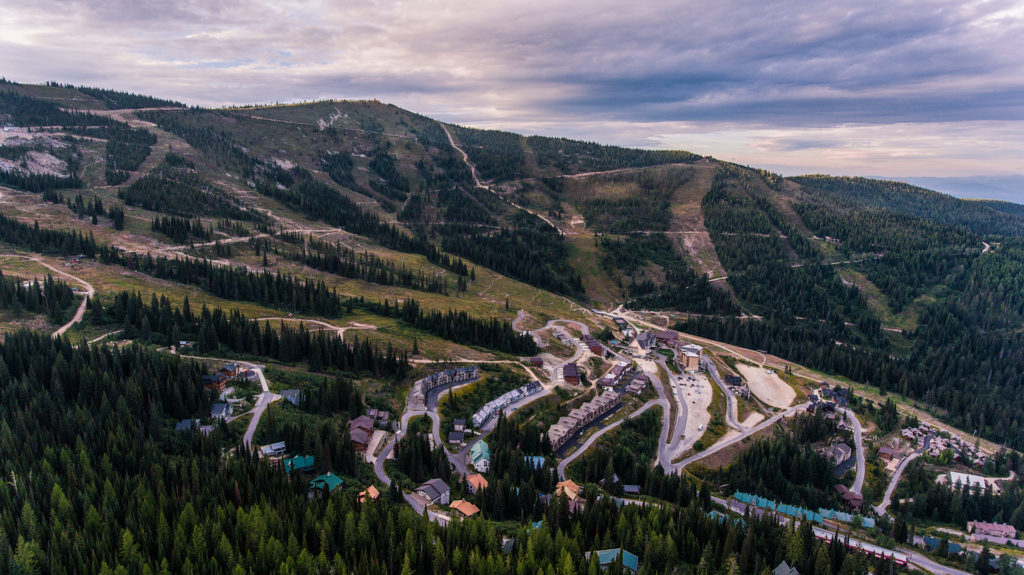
{"x": 883, "y": 88}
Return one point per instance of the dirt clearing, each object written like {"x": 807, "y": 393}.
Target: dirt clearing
{"x": 768, "y": 387}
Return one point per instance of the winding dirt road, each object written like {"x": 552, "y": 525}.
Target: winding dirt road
{"x": 89, "y": 291}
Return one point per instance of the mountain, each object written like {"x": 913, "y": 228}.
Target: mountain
{"x": 1001, "y": 188}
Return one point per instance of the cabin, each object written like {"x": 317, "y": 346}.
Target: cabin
{"x": 476, "y": 482}
{"x": 480, "y": 456}
{"x": 465, "y": 508}
{"x": 435, "y": 490}
{"x": 324, "y": 484}
{"x": 360, "y": 430}
{"x": 571, "y": 374}
{"x": 220, "y": 410}
{"x": 300, "y": 463}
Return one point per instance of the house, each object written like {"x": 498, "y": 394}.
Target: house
{"x": 784, "y": 569}
{"x": 229, "y": 369}
{"x": 359, "y": 431}
{"x": 571, "y": 374}
{"x": 609, "y": 557}
{"x": 643, "y": 343}
{"x": 853, "y": 500}
{"x": 887, "y": 453}
{"x": 631, "y": 489}
{"x": 839, "y": 453}
{"x": 507, "y": 545}
{"x": 300, "y": 463}
{"x": 476, "y": 482}
{"x": 465, "y": 508}
{"x": 992, "y": 529}
{"x": 457, "y": 437}
{"x": 665, "y": 337}
{"x": 932, "y": 544}
{"x": 569, "y": 488}
{"x": 292, "y": 395}
{"x": 273, "y": 449}
{"x": 593, "y": 345}
{"x": 459, "y": 424}
{"x": 537, "y": 361}
{"x": 324, "y": 484}
{"x": 435, "y": 490}
{"x": 214, "y": 382}
{"x": 220, "y": 410}
{"x": 370, "y": 493}
{"x": 186, "y": 425}
{"x": 480, "y": 456}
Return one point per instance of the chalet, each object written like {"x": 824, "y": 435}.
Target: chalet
{"x": 852, "y": 499}
{"x": 593, "y": 345}
{"x": 220, "y": 410}
{"x": 838, "y": 453}
{"x": 456, "y": 437}
{"x": 643, "y": 343}
{"x": 459, "y": 424}
{"x": 932, "y": 544}
{"x": 569, "y": 488}
{"x": 784, "y": 569}
{"x": 465, "y": 508}
{"x": 992, "y": 529}
{"x": 229, "y": 369}
{"x": 359, "y": 431}
{"x": 186, "y": 425}
{"x": 435, "y": 490}
{"x": 631, "y": 489}
{"x": 214, "y": 382}
{"x": 292, "y": 395}
{"x": 887, "y": 453}
{"x": 607, "y": 558}
{"x": 370, "y": 493}
{"x": 476, "y": 482}
{"x": 300, "y": 463}
{"x": 571, "y": 374}
{"x": 273, "y": 449}
{"x": 324, "y": 484}
{"x": 480, "y": 456}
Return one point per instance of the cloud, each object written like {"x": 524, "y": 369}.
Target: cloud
{"x": 622, "y": 74}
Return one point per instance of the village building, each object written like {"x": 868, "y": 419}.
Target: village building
{"x": 571, "y": 374}
{"x": 370, "y": 493}
{"x": 465, "y": 508}
{"x": 459, "y": 424}
{"x": 838, "y": 453}
{"x": 562, "y": 431}
{"x": 293, "y": 396}
{"x": 300, "y": 463}
{"x": 784, "y": 569}
{"x": 186, "y": 425}
{"x": 476, "y": 482}
{"x": 273, "y": 449}
{"x": 992, "y": 529}
{"x": 324, "y": 484}
{"x": 689, "y": 357}
{"x": 569, "y": 488}
{"x": 457, "y": 438}
{"x": 643, "y": 343}
{"x": 608, "y": 558}
{"x": 480, "y": 456}
{"x": 359, "y": 431}
{"x": 220, "y": 410}
{"x": 435, "y": 490}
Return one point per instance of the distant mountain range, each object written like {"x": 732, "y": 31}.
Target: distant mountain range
{"x": 1006, "y": 188}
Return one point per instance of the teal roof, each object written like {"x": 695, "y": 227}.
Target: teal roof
{"x": 480, "y": 449}
{"x": 608, "y": 557}
{"x": 298, "y": 463}
{"x": 328, "y": 481}
{"x": 537, "y": 524}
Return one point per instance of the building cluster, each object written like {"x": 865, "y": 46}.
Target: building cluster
{"x": 360, "y": 429}
{"x": 828, "y": 397}
{"x": 499, "y": 403}
{"x": 638, "y": 384}
{"x": 593, "y": 345}
{"x": 568, "y": 425}
{"x": 625, "y": 328}
{"x": 992, "y": 529}
{"x": 737, "y": 386}
{"x": 616, "y": 375}
{"x": 963, "y": 451}
{"x": 228, "y": 372}
{"x": 420, "y": 389}
{"x": 819, "y": 516}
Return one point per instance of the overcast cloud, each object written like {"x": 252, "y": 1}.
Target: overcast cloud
{"x": 880, "y": 87}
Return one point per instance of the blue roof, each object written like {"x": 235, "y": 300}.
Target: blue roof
{"x": 608, "y": 556}
{"x": 932, "y": 543}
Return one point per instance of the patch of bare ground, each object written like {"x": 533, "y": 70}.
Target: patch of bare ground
{"x": 725, "y": 457}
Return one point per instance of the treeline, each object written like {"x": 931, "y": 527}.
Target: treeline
{"x": 574, "y": 156}
{"x": 905, "y": 199}
{"x": 28, "y": 111}
{"x": 181, "y": 230}
{"x": 180, "y": 191}
{"x": 417, "y": 460}
{"x": 38, "y": 183}
{"x": 395, "y": 185}
{"x": 681, "y": 288}
{"x": 343, "y": 261}
{"x": 279, "y": 290}
{"x": 496, "y": 155}
{"x": 530, "y": 251}
{"x": 339, "y": 166}
{"x": 458, "y": 326}
{"x": 160, "y": 322}
{"x": 117, "y": 99}
{"x": 126, "y": 148}
{"x": 46, "y": 241}
{"x": 51, "y": 297}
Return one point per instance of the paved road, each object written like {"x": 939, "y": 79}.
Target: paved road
{"x": 732, "y": 408}
{"x": 751, "y": 431}
{"x": 858, "y": 439}
{"x": 882, "y": 508}
{"x": 89, "y": 291}
{"x": 593, "y": 438}
{"x": 262, "y": 402}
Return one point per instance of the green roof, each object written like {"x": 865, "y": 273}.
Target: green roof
{"x": 298, "y": 463}
{"x": 479, "y": 451}
{"x": 328, "y": 481}
{"x": 608, "y": 556}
